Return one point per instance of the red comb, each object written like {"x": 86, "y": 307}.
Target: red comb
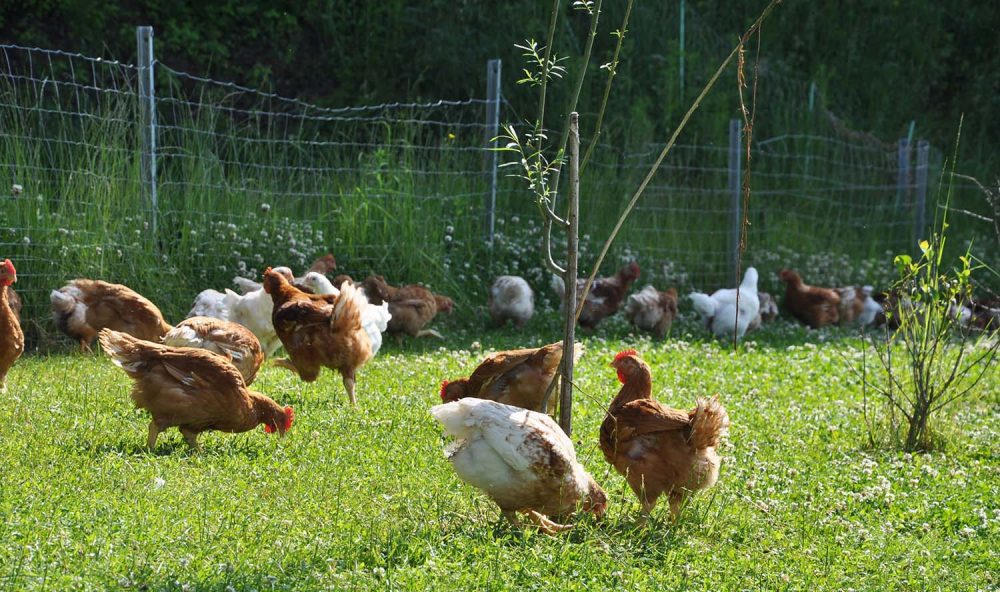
{"x": 9, "y": 266}
{"x": 444, "y": 385}
{"x": 289, "y": 417}
{"x": 625, "y": 353}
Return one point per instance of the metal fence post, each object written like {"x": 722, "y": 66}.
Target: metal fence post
{"x": 735, "y": 189}
{"x": 492, "y": 131}
{"x": 902, "y": 172}
{"x": 147, "y": 120}
{"x": 920, "y": 219}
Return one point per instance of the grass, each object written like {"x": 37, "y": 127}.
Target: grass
{"x": 363, "y": 498}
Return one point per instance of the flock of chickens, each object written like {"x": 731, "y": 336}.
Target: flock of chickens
{"x": 196, "y": 375}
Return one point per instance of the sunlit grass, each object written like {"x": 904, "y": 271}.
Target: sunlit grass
{"x": 363, "y": 498}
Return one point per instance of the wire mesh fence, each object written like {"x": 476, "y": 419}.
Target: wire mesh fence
{"x": 245, "y": 178}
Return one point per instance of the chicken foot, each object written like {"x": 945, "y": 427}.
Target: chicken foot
{"x": 429, "y": 333}
{"x": 154, "y": 432}
{"x": 192, "y": 438}
{"x": 541, "y": 522}
{"x": 349, "y": 385}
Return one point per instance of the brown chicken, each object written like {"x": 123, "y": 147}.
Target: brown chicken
{"x": 15, "y": 302}
{"x": 83, "y": 307}
{"x": 411, "y": 306}
{"x": 517, "y": 377}
{"x": 193, "y": 389}
{"x": 230, "y": 340}
{"x": 11, "y": 336}
{"x": 605, "y": 296}
{"x": 324, "y": 264}
{"x": 320, "y": 331}
{"x": 659, "y": 450}
{"x": 813, "y": 306}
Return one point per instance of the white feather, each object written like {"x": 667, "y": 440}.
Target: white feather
{"x": 720, "y": 309}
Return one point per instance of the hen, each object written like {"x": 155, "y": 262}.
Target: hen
{"x": 320, "y": 331}
{"x": 722, "y": 313}
{"x": 652, "y": 310}
{"x": 517, "y": 377}
{"x": 83, "y": 307}
{"x": 813, "y": 306}
{"x": 871, "y": 308}
{"x": 411, "y": 307}
{"x": 659, "y": 450}
{"x": 605, "y": 296}
{"x": 230, "y": 340}
{"x": 768, "y": 307}
{"x": 11, "y": 336}
{"x": 212, "y": 303}
{"x": 521, "y": 459}
{"x": 14, "y": 301}
{"x": 192, "y": 389}
{"x": 852, "y": 305}
{"x": 511, "y": 298}
{"x": 374, "y": 317}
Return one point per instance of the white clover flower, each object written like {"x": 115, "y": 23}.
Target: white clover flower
{"x": 159, "y": 482}
{"x": 16, "y": 189}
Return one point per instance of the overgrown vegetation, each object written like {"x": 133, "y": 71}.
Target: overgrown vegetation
{"x": 929, "y": 355}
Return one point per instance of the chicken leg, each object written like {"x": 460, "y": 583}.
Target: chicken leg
{"x": 541, "y": 522}
{"x": 154, "y": 432}
{"x": 349, "y": 385}
{"x": 192, "y": 438}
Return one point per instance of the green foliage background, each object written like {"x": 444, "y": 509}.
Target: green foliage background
{"x": 879, "y": 63}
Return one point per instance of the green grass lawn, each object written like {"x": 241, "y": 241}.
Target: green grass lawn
{"x": 364, "y": 499}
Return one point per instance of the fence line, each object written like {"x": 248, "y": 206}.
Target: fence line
{"x": 174, "y": 183}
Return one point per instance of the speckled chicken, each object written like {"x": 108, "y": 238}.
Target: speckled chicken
{"x": 651, "y": 310}
{"x": 232, "y": 341}
{"x": 511, "y": 299}
{"x": 83, "y": 307}
{"x": 521, "y": 459}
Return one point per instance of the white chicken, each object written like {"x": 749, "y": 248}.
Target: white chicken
{"x": 871, "y": 309}
{"x": 720, "y": 309}
{"x": 511, "y": 298}
{"x": 253, "y": 311}
{"x": 229, "y": 340}
{"x": 212, "y": 303}
{"x": 521, "y": 459}
{"x": 374, "y": 317}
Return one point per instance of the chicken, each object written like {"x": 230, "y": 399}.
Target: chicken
{"x": 253, "y": 310}
{"x": 521, "y": 459}
{"x": 322, "y": 266}
{"x": 15, "y": 302}
{"x": 511, "y": 298}
{"x": 659, "y": 450}
{"x": 319, "y": 332}
{"x": 852, "y": 305}
{"x": 871, "y": 308}
{"x": 11, "y": 336}
{"x": 411, "y": 307}
{"x": 193, "y": 389}
{"x": 605, "y": 296}
{"x": 83, "y": 307}
{"x": 374, "y": 317}
{"x": 651, "y": 310}
{"x": 517, "y": 377}
{"x": 723, "y": 314}
{"x": 230, "y": 340}
{"x": 768, "y": 307}
{"x": 813, "y": 306}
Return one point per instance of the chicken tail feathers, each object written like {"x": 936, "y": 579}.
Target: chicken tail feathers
{"x": 704, "y": 304}
{"x": 127, "y": 352}
{"x": 709, "y": 422}
{"x": 347, "y": 310}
